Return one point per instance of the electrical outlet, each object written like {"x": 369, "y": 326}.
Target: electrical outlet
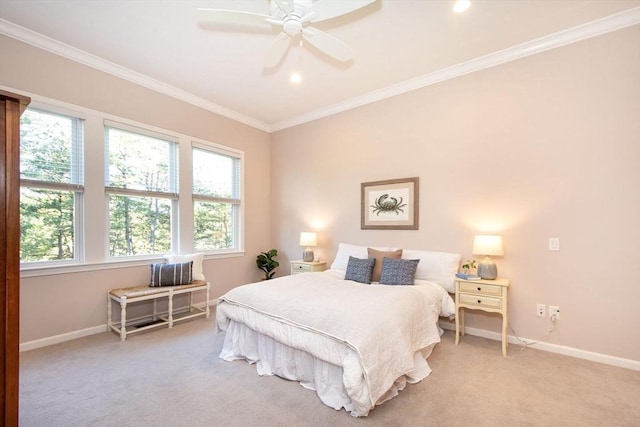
{"x": 554, "y": 243}
{"x": 554, "y": 312}
{"x": 541, "y": 310}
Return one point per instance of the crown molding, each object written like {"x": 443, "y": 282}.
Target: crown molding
{"x": 62, "y": 49}
{"x": 591, "y": 29}
{"x": 588, "y": 30}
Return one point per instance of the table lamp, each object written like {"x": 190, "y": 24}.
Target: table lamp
{"x": 308, "y": 240}
{"x": 488, "y": 246}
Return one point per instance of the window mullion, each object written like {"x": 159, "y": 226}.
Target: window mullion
{"x": 48, "y": 185}
{"x": 213, "y": 199}
{"x": 140, "y": 193}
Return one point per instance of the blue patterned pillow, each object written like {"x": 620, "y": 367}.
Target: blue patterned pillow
{"x": 360, "y": 270}
{"x": 171, "y": 274}
{"x": 398, "y": 271}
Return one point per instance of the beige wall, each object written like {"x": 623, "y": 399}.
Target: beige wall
{"x": 65, "y": 303}
{"x": 546, "y": 146}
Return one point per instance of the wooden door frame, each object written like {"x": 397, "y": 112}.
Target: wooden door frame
{"x": 12, "y": 106}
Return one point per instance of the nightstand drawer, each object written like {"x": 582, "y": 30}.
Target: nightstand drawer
{"x": 481, "y": 289}
{"x": 481, "y": 301}
{"x": 300, "y": 268}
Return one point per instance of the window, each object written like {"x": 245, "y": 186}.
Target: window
{"x": 100, "y": 189}
{"x": 216, "y": 199}
{"x": 51, "y": 186}
{"x": 141, "y": 180}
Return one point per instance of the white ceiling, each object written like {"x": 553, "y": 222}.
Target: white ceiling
{"x": 399, "y": 45}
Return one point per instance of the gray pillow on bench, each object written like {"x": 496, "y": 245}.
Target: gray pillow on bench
{"x": 171, "y": 274}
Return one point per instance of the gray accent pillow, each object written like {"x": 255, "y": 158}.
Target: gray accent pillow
{"x": 171, "y": 274}
{"x": 398, "y": 271}
{"x": 360, "y": 270}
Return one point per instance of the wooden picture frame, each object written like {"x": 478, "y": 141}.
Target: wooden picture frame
{"x": 390, "y": 205}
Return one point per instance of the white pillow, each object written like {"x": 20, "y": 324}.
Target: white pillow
{"x": 196, "y": 270}
{"x": 439, "y": 267}
{"x": 345, "y": 250}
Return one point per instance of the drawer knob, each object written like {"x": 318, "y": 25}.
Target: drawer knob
{"x": 479, "y": 288}
{"x": 479, "y": 301}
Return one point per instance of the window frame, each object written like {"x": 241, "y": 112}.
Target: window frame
{"x": 236, "y": 202}
{"x": 76, "y": 187}
{"x": 172, "y": 194}
{"x": 92, "y": 246}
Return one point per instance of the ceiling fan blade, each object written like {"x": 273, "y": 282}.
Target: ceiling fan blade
{"x": 286, "y": 6}
{"x": 277, "y": 50}
{"x": 231, "y": 16}
{"x": 327, "y": 9}
{"x": 328, "y": 44}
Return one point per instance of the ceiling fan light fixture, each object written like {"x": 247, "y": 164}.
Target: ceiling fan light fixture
{"x": 461, "y": 5}
{"x": 293, "y": 27}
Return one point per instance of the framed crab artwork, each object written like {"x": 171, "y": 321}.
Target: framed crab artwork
{"x": 390, "y": 205}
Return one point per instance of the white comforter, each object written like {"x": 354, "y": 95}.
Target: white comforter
{"x": 372, "y": 331}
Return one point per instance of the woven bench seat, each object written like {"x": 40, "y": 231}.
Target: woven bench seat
{"x": 125, "y": 296}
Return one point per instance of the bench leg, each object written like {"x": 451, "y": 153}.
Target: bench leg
{"x": 206, "y": 302}
{"x": 171, "y": 308}
{"x": 109, "y": 318}
{"x": 123, "y": 319}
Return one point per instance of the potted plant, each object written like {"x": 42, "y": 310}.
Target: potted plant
{"x": 471, "y": 264}
{"x": 266, "y": 262}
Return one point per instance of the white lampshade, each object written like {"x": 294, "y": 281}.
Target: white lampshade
{"x": 308, "y": 239}
{"x": 488, "y": 245}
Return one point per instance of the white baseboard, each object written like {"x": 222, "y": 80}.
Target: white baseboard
{"x": 553, "y": 348}
{"x": 56, "y": 339}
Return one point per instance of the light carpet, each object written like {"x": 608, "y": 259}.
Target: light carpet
{"x": 173, "y": 377}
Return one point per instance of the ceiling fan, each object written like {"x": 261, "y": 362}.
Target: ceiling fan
{"x": 294, "y": 17}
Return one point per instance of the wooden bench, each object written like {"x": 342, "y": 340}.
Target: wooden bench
{"x": 126, "y": 296}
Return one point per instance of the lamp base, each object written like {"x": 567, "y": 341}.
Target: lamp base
{"x": 487, "y": 271}
{"x": 307, "y": 255}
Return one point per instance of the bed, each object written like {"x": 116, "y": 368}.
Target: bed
{"x": 356, "y": 344}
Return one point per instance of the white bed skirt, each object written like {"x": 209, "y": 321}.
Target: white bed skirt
{"x": 274, "y": 358}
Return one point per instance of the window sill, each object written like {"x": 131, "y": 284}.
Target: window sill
{"x": 49, "y": 270}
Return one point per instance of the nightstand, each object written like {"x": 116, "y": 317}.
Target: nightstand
{"x": 485, "y": 295}
{"x": 305, "y": 267}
